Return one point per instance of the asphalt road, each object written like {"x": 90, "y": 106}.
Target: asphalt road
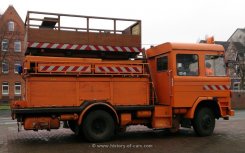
{"x": 228, "y": 137}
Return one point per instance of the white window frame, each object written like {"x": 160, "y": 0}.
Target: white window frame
{"x": 16, "y": 64}
{"x": 5, "y": 84}
{"x": 17, "y": 84}
{"x": 5, "y": 41}
{"x": 17, "y": 42}
{"x": 5, "y": 62}
{"x": 11, "y": 25}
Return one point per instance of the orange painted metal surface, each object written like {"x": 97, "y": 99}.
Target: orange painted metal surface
{"x": 125, "y": 118}
{"x": 54, "y": 81}
{"x": 39, "y": 123}
{"x": 19, "y": 104}
{"x": 162, "y": 83}
{"x": 162, "y": 117}
{"x": 184, "y": 91}
{"x": 73, "y": 91}
{"x": 71, "y": 82}
{"x": 179, "y": 110}
{"x": 82, "y": 66}
{"x": 167, "y": 47}
{"x": 65, "y": 117}
{"x": 143, "y": 114}
{"x": 196, "y": 89}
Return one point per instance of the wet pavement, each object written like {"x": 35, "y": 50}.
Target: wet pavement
{"x": 228, "y": 137}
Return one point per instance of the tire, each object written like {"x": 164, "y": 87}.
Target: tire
{"x": 75, "y": 128}
{"x": 204, "y": 122}
{"x": 72, "y": 125}
{"x": 98, "y": 126}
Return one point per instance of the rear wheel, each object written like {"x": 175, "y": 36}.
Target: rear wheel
{"x": 98, "y": 126}
{"x": 204, "y": 122}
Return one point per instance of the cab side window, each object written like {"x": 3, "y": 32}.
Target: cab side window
{"x": 162, "y": 63}
{"x": 187, "y": 65}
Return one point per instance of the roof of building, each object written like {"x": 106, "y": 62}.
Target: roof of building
{"x": 239, "y": 46}
{"x": 238, "y": 29}
{"x": 11, "y": 7}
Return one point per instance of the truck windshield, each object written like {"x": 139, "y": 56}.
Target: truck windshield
{"x": 215, "y": 65}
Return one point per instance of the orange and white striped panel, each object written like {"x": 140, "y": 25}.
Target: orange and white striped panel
{"x": 120, "y": 69}
{"x": 61, "y": 68}
{"x": 83, "y": 47}
{"x": 216, "y": 87}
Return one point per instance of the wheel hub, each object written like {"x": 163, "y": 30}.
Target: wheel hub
{"x": 98, "y": 126}
{"x": 206, "y": 122}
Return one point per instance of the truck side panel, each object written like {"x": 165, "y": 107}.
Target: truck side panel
{"x": 47, "y": 92}
{"x": 188, "y": 89}
{"x": 40, "y": 35}
{"x": 73, "y": 91}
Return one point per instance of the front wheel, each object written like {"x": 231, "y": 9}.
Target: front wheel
{"x": 98, "y": 126}
{"x": 204, "y": 122}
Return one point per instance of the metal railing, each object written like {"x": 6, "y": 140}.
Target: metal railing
{"x": 56, "y": 17}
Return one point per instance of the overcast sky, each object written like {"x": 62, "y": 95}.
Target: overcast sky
{"x": 162, "y": 21}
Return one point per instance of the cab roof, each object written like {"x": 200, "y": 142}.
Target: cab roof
{"x": 166, "y": 47}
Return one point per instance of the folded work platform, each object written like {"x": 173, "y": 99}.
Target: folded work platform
{"x": 51, "y": 34}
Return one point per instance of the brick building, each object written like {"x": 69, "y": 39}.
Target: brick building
{"x": 11, "y": 55}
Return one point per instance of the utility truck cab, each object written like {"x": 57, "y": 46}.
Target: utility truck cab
{"x": 191, "y": 78}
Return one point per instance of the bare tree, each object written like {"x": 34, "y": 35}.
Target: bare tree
{"x": 241, "y": 68}
{"x": 235, "y": 55}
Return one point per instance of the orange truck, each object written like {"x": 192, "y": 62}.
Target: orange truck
{"x": 86, "y": 77}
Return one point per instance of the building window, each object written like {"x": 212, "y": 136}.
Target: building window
{"x": 5, "y": 88}
{"x": 187, "y": 65}
{"x": 11, "y": 26}
{"x": 5, "y": 67}
{"x": 162, "y": 63}
{"x": 17, "y": 88}
{"x": 5, "y": 45}
{"x": 236, "y": 86}
{"x": 17, "y": 46}
{"x": 17, "y": 64}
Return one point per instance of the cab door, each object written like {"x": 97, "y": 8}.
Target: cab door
{"x": 163, "y": 79}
